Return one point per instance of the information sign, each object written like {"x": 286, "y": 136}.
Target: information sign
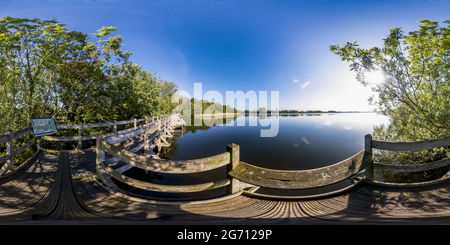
{"x": 43, "y": 126}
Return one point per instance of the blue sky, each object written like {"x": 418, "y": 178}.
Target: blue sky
{"x": 246, "y": 45}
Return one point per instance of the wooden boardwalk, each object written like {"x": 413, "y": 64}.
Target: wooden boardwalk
{"x": 55, "y": 188}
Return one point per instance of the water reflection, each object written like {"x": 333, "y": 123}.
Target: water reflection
{"x": 304, "y": 141}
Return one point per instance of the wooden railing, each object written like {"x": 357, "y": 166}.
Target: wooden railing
{"x": 236, "y": 170}
{"x": 353, "y": 166}
{"x": 230, "y": 159}
{"x": 7, "y": 161}
{"x": 300, "y": 179}
{"x": 405, "y": 146}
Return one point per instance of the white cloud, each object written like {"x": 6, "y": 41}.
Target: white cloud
{"x": 295, "y": 81}
{"x": 305, "y": 84}
{"x": 295, "y": 145}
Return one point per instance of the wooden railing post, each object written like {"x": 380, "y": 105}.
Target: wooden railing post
{"x": 135, "y": 124}
{"x": 233, "y": 149}
{"x": 158, "y": 136}
{"x": 146, "y": 151}
{"x": 115, "y": 127}
{"x": 80, "y": 135}
{"x": 39, "y": 143}
{"x": 10, "y": 150}
{"x": 368, "y": 153}
{"x": 159, "y": 123}
{"x": 100, "y": 154}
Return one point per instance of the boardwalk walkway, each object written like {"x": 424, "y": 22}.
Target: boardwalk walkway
{"x": 64, "y": 188}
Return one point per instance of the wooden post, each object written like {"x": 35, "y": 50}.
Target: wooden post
{"x": 368, "y": 153}
{"x": 80, "y": 136}
{"x": 169, "y": 122}
{"x": 146, "y": 151}
{"x": 100, "y": 154}
{"x": 158, "y": 135}
{"x": 159, "y": 123}
{"x": 10, "y": 150}
{"x": 39, "y": 143}
{"x": 233, "y": 149}
{"x": 135, "y": 124}
{"x": 115, "y": 127}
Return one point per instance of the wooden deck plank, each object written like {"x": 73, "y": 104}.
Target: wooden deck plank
{"x": 27, "y": 184}
{"x": 90, "y": 195}
{"x": 31, "y": 200}
{"x": 67, "y": 207}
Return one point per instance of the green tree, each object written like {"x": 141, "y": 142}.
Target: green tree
{"x": 31, "y": 52}
{"x": 415, "y": 94}
{"x": 168, "y": 89}
{"x": 47, "y": 70}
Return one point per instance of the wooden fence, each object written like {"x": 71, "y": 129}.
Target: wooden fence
{"x": 405, "y": 146}
{"x": 230, "y": 159}
{"x": 7, "y": 161}
{"x": 271, "y": 178}
{"x": 236, "y": 170}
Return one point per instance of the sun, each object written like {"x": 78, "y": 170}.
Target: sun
{"x": 374, "y": 78}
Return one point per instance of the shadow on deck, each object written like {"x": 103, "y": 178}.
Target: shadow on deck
{"x": 63, "y": 188}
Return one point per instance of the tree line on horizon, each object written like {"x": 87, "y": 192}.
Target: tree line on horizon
{"x": 264, "y": 110}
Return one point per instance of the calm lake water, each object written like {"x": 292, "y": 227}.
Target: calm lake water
{"x": 304, "y": 141}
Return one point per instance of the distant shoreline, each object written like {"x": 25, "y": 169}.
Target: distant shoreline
{"x": 226, "y": 115}
{"x": 323, "y": 112}
{"x": 217, "y": 115}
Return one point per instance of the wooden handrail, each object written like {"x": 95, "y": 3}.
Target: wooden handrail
{"x": 299, "y": 179}
{"x": 288, "y": 179}
{"x": 230, "y": 158}
{"x": 406, "y": 146}
{"x": 412, "y": 168}
{"x": 164, "y": 188}
{"x": 410, "y": 146}
{"x": 11, "y": 136}
{"x": 166, "y": 166}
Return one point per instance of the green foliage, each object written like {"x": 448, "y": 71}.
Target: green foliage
{"x": 47, "y": 70}
{"x": 195, "y": 107}
{"x": 416, "y": 93}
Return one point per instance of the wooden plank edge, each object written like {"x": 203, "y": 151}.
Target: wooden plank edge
{"x": 412, "y": 168}
{"x": 410, "y": 146}
{"x": 69, "y": 151}
{"x": 26, "y": 164}
{"x": 417, "y": 184}
{"x": 22, "y": 132}
{"x": 116, "y": 191}
{"x": 317, "y": 196}
{"x": 176, "y": 166}
{"x": 164, "y": 188}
